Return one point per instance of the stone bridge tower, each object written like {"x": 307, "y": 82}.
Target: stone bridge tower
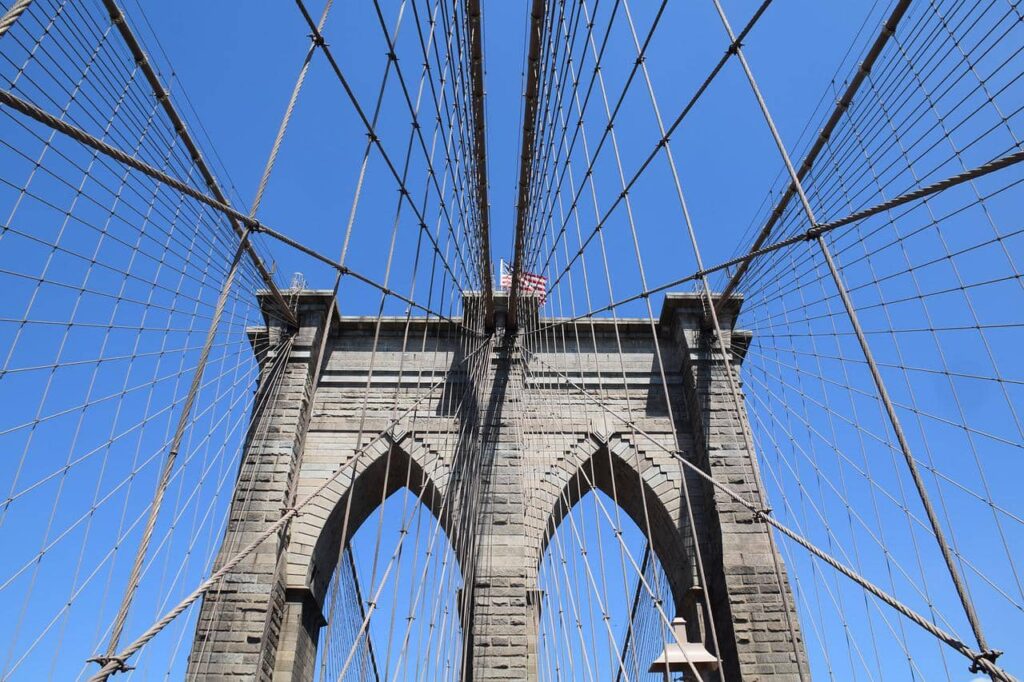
{"x": 263, "y": 621}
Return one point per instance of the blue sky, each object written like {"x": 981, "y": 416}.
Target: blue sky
{"x": 238, "y": 67}
{"x": 232, "y": 65}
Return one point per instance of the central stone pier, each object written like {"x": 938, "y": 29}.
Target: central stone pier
{"x": 507, "y": 447}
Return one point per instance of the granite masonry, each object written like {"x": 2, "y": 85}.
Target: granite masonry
{"x": 499, "y": 470}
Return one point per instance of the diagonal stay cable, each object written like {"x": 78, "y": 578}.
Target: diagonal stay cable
{"x": 842, "y": 104}
{"x": 121, "y": 23}
{"x": 321, "y": 42}
{"x": 684, "y": 112}
{"x": 243, "y": 248}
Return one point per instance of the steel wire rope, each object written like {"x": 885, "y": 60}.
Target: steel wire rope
{"x": 948, "y": 88}
{"x": 272, "y": 378}
{"x": 177, "y": 516}
{"x": 372, "y": 604}
{"x": 849, "y": 510}
{"x": 613, "y": 135}
{"x": 812, "y": 233}
{"x": 269, "y": 165}
{"x": 840, "y": 612}
{"x": 272, "y": 528}
{"x": 255, "y": 226}
{"x": 136, "y": 456}
{"x": 640, "y": 50}
{"x": 900, "y": 504}
{"x": 366, "y": 121}
{"x": 256, "y": 429}
{"x": 49, "y": 381}
{"x": 195, "y": 118}
{"x": 614, "y": 493}
{"x": 10, "y": 579}
{"x": 550, "y": 443}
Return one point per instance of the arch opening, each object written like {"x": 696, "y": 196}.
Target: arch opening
{"x": 606, "y": 596}
{"x": 386, "y": 576}
{"x": 614, "y": 568}
{"x": 392, "y": 604}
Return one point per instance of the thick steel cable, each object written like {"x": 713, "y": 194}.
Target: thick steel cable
{"x": 940, "y": 537}
{"x": 903, "y": 199}
{"x": 694, "y": 99}
{"x": 243, "y": 249}
{"x": 12, "y": 15}
{"x": 812, "y": 233}
{"x": 377, "y": 332}
{"x": 949, "y": 81}
{"x": 121, "y": 23}
{"x": 613, "y": 138}
{"x": 253, "y": 224}
{"x": 63, "y": 343}
{"x": 956, "y": 398}
{"x": 842, "y": 104}
{"x": 59, "y": 30}
{"x": 367, "y": 122}
{"x": 79, "y": 135}
{"x": 900, "y": 504}
{"x": 172, "y": 454}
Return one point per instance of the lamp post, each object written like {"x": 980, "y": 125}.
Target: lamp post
{"x": 682, "y": 655}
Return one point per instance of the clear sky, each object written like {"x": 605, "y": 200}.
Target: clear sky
{"x": 238, "y": 65}
{"x": 829, "y": 459}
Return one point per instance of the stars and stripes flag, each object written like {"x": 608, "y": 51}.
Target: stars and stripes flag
{"x": 529, "y": 282}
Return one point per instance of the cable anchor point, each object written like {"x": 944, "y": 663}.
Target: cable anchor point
{"x": 989, "y": 655}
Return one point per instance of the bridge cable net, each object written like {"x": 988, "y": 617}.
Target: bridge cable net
{"x": 140, "y": 315}
{"x": 868, "y": 331}
{"x": 879, "y": 285}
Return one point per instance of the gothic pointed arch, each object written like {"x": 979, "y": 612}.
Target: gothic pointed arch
{"x": 647, "y": 486}
{"x": 398, "y": 461}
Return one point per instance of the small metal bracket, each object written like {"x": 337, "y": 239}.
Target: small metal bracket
{"x": 989, "y": 655}
{"x": 103, "y": 661}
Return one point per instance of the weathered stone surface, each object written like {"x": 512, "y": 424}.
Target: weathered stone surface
{"x": 500, "y": 471}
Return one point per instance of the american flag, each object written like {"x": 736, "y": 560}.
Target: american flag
{"x": 528, "y": 282}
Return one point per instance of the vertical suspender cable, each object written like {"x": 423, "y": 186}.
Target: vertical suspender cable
{"x": 121, "y": 23}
